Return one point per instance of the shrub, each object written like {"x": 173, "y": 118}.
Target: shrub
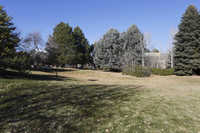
{"x": 21, "y": 62}
{"x": 137, "y": 71}
{"x": 106, "y": 69}
{"x": 162, "y": 72}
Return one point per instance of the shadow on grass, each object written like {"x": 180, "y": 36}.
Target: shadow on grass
{"x": 53, "y": 108}
{"x": 52, "y": 70}
{"x": 18, "y": 75}
{"x": 92, "y": 79}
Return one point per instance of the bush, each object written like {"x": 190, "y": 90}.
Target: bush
{"x": 20, "y": 62}
{"x": 162, "y": 72}
{"x": 106, "y": 69}
{"x": 137, "y": 71}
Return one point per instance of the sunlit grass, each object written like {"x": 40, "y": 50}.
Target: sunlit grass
{"x": 95, "y": 101}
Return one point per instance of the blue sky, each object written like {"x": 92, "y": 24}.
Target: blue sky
{"x": 96, "y": 17}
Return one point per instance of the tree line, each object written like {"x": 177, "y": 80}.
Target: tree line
{"x": 117, "y": 51}
{"x": 114, "y": 51}
{"x": 66, "y": 46}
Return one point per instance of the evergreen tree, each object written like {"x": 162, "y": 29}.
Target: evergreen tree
{"x": 63, "y": 36}
{"x": 82, "y": 45}
{"x": 52, "y": 51}
{"x": 116, "y": 50}
{"x": 133, "y": 46}
{"x": 98, "y": 49}
{"x": 108, "y": 51}
{"x": 90, "y": 54}
{"x": 187, "y": 42}
{"x": 169, "y": 59}
{"x": 9, "y": 38}
{"x": 196, "y": 56}
{"x": 72, "y": 46}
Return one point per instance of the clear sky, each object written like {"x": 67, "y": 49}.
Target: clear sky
{"x": 96, "y": 17}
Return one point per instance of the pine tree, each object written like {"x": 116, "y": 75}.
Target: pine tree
{"x": 72, "y": 46}
{"x": 52, "y": 51}
{"x": 90, "y": 55}
{"x": 9, "y": 38}
{"x": 82, "y": 45}
{"x": 63, "y": 36}
{"x": 186, "y": 43}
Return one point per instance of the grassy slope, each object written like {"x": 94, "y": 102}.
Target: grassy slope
{"x": 95, "y": 101}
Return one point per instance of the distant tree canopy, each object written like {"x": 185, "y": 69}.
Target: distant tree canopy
{"x": 115, "y": 50}
{"x": 155, "y": 51}
{"x": 187, "y": 43}
{"x": 68, "y": 46}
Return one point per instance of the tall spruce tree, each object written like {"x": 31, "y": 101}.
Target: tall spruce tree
{"x": 196, "y": 56}
{"x": 9, "y": 38}
{"x": 116, "y": 50}
{"x": 108, "y": 51}
{"x": 187, "y": 42}
{"x": 133, "y": 46}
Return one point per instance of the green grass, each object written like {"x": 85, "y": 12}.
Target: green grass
{"x": 66, "y": 104}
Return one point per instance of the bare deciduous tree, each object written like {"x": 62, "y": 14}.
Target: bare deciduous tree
{"x": 33, "y": 44}
{"x": 148, "y": 39}
{"x": 149, "y": 47}
{"x": 173, "y": 32}
{"x": 33, "y": 41}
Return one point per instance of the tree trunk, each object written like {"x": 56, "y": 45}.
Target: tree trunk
{"x": 142, "y": 57}
{"x": 172, "y": 62}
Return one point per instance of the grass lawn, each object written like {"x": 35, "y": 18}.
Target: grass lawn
{"x": 95, "y": 101}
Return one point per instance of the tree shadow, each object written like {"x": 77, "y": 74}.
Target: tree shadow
{"x": 52, "y": 70}
{"x": 76, "y": 108}
{"x": 92, "y": 79}
{"x": 18, "y": 75}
